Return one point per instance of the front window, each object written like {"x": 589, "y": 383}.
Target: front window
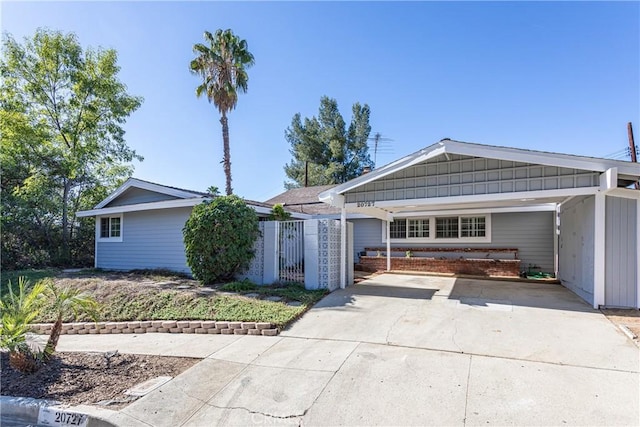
{"x": 447, "y": 228}
{"x": 110, "y": 227}
{"x": 473, "y": 226}
{"x": 399, "y": 229}
{"x": 418, "y": 228}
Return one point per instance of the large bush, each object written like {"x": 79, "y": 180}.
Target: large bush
{"x": 219, "y": 237}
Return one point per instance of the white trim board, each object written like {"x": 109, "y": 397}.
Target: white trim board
{"x": 167, "y": 204}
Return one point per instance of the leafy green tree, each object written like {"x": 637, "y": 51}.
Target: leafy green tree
{"x": 324, "y": 150}
{"x": 222, "y": 64}
{"x": 219, "y": 237}
{"x": 62, "y": 111}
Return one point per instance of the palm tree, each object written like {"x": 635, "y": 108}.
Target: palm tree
{"x": 18, "y": 310}
{"x": 65, "y": 302}
{"x": 222, "y": 65}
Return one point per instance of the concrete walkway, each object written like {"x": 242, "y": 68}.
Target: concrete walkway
{"x": 401, "y": 350}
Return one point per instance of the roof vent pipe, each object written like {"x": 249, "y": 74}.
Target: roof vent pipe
{"x": 366, "y": 170}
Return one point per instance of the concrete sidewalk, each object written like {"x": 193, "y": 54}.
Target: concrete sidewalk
{"x": 400, "y": 350}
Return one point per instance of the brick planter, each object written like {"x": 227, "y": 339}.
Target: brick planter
{"x": 169, "y": 326}
{"x": 475, "y": 267}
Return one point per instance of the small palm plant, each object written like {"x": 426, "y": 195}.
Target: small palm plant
{"x": 18, "y": 309}
{"x": 66, "y": 302}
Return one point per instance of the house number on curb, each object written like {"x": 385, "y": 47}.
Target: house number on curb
{"x": 57, "y": 417}
{"x": 365, "y": 204}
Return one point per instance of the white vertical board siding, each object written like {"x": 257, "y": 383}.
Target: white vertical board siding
{"x": 621, "y": 252}
{"x": 530, "y": 232}
{"x": 575, "y": 251}
{"x": 150, "y": 239}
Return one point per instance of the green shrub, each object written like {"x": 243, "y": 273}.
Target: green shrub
{"x": 219, "y": 237}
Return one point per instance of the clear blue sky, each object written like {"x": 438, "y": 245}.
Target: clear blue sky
{"x": 549, "y": 76}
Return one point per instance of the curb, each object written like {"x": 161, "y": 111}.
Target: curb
{"x": 27, "y": 411}
{"x": 163, "y": 326}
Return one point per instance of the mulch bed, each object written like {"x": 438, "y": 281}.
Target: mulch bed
{"x": 87, "y": 378}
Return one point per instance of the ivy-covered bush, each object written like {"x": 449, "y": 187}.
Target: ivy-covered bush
{"x": 219, "y": 237}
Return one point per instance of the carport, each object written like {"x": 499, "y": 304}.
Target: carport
{"x": 577, "y": 216}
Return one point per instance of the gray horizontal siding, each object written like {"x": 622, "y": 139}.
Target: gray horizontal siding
{"x": 621, "y": 252}
{"x": 465, "y": 176}
{"x": 530, "y": 232}
{"x": 134, "y": 196}
{"x": 150, "y": 239}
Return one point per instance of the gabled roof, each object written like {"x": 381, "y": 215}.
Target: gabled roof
{"x": 179, "y": 193}
{"x": 181, "y": 198}
{"x": 626, "y": 170}
{"x": 304, "y": 200}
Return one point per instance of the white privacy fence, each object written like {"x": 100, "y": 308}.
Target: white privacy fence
{"x": 301, "y": 251}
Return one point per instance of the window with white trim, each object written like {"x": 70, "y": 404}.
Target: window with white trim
{"x": 418, "y": 228}
{"x": 473, "y": 226}
{"x": 110, "y": 228}
{"x": 398, "y": 229}
{"x": 448, "y": 229}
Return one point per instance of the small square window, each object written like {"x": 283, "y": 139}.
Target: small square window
{"x": 398, "y": 229}
{"x": 447, "y": 228}
{"x": 110, "y": 227}
{"x": 418, "y": 228}
{"x": 473, "y": 227}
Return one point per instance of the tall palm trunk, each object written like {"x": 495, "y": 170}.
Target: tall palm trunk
{"x": 227, "y": 154}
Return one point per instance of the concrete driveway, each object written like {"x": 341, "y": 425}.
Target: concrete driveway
{"x": 409, "y": 350}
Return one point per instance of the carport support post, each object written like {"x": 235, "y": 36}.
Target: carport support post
{"x": 343, "y": 247}
{"x": 599, "y": 259}
{"x": 389, "y": 244}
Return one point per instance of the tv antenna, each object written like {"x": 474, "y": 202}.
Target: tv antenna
{"x": 382, "y": 144}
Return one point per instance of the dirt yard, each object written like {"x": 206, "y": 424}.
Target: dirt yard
{"x": 628, "y": 318}
{"x": 89, "y": 378}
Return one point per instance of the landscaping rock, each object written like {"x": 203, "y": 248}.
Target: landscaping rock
{"x": 213, "y": 331}
{"x": 169, "y": 324}
{"x": 240, "y": 331}
{"x": 248, "y": 325}
{"x": 222, "y": 325}
{"x": 182, "y": 323}
{"x": 195, "y": 324}
{"x": 208, "y": 324}
{"x": 200, "y": 331}
{"x": 235, "y": 325}
{"x": 146, "y": 324}
{"x": 187, "y": 330}
{"x": 254, "y": 332}
{"x": 156, "y": 324}
{"x": 263, "y": 325}
{"x": 226, "y": 331}
{"x": 252, "y": 295}
{"x": 274, "y": 298}
{"x": 175, "y": 330}
{"x": 294, "y": 303}
{"x": 140, "y": 330}
{"x": 269, "y": 332}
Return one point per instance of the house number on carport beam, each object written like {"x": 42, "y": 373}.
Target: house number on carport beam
{"x": 365, "y": 204}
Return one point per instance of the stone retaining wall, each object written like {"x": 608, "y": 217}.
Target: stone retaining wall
{"x": 167, "y": 326}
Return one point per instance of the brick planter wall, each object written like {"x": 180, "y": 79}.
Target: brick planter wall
{"x": 167, "y": 326}
{"x": 475, "y": 267}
